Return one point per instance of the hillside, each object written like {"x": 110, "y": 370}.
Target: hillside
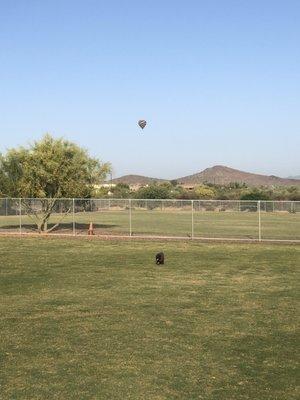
{"x": 218, "y": 174}
{"x": 224, "y": 175}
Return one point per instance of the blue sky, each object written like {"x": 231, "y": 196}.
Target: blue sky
{"x": 218, "y": 81}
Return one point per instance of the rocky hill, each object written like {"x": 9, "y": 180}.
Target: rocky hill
{"x": 222, "y": 175}
{"x": 218, "y": 174}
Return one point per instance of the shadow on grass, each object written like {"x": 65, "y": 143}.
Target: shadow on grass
{"x": 64, "y": 226}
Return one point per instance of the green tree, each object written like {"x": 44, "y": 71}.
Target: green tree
{"x": 255, "y": 194}
{"x": 204, "y": 192}
{"x": 3, "y": 179}
{"x": 293, "y": 193}
{"x": 153, "y": 192}
{"x": 121, "y": 191}
{"x": 49, "y": 169}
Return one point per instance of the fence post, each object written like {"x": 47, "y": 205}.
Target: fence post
{"x": 130, "y": 222}
{"x": 6, "y": 207}
{"x": 74, "y": 227}
{"x": 259, "y": 221}
{"x": 20, "y": 216}
{"x": 192, "y": 219}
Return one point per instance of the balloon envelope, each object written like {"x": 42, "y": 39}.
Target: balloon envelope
{"x": 142, "y": 123}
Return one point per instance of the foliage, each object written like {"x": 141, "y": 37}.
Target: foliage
{"x": 101, "y": 192}
{"x": 51, "y": 168}
{"x": 121, "y": 191}
{"x": 255, "y": 194}
{"x": 4, "y": 184}
{"x": 153, "y": 191}
{"x": 204, "y": 192}
{"x": 233, "y": 191}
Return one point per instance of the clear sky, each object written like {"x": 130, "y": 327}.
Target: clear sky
{"x": 218, "y": 81}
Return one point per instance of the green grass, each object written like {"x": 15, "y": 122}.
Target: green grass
{"x": 91, "y": 319}
{"x": 213, "y": 224}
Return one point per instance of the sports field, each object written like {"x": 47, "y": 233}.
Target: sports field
{"x": 210, "y": 224}
{"x": 93, "y": 319}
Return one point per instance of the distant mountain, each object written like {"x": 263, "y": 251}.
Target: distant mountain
{"x": 137, "y": 180}
{"x": 294, "y": 177}
{"x": 222, "y": 175}
{"x": 218, "y": 174}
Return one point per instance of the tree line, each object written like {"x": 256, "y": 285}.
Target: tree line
{"x": 172, "y": 190}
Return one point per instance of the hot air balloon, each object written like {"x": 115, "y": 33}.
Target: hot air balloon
{"x": 142, "y": 123}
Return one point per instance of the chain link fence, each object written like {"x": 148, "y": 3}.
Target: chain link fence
{"x": 209, "y": 219}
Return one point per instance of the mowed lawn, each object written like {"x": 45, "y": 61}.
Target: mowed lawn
{"x": 92, "y": 319}
{"x": 209, "y": 224}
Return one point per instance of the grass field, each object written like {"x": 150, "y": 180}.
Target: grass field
{"x": 211, "y": 224}
{"x": 92, "y": 319}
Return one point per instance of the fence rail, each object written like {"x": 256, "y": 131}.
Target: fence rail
{"x": 209, "y": 219}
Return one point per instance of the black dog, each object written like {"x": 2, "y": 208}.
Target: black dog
{"x": 160, "y": 258}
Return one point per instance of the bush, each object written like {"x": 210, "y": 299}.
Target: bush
{"x": 255, "y": 194}
{"x": 153, "y": 192}
{"x": 204, "y": 192}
